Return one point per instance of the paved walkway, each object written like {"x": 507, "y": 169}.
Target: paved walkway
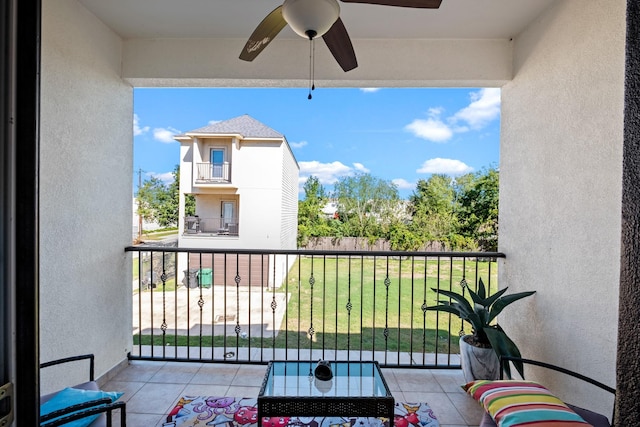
{"x": 190, "y": 311}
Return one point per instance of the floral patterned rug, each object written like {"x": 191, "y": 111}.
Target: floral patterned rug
{"x": 200, "y": 411}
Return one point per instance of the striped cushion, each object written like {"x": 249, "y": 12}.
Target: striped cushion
{"x": 522, "y": 403}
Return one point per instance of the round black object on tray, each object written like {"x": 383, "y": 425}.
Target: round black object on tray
{"x": 323, "y": 370}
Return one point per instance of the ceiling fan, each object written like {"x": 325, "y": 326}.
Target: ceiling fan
{"x": 314, "y": 18}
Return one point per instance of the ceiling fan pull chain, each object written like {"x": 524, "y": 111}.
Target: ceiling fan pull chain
{"x": 312, "y": 66}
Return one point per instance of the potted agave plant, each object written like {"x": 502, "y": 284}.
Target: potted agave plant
{"x": 480, "y": 351}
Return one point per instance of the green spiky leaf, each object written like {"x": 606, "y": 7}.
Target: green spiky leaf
{"x": 454, "y": 296}
{"x": 501, "y": 303}
{"x": 482, "y": 292}
{"x": 493, "y": 298}
{"x": 503, "y": 346}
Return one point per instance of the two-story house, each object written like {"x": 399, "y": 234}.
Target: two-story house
{"x": 244, "y": 178}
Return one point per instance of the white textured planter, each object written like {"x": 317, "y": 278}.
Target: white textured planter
{"x": 478, "y": 363}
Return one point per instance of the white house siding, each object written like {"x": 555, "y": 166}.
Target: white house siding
{"x": 85, "y": 192}
{"x": 257, "y": 173}
{"x": 560, "y": 173}
{"x": 289, "y": 208}
{"x": 288, "y": 216}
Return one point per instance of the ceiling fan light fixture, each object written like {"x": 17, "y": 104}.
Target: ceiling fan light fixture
{"x": 310, "y": 18}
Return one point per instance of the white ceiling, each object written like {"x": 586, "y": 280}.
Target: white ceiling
{"x": 230, "y": 19}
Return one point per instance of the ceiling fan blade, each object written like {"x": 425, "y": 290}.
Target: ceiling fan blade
{"x": 427, "y": 4}
{"x": 266, "y": 31}
{"x": 339, "y": 44}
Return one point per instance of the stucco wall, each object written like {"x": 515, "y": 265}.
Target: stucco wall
{"x": 560, "y": 191}
{"x": 460, "y": 63}
{"x": 86, "y": 175}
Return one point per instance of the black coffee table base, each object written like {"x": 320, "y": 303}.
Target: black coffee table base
{"x": 380, "y": 405}
{"x": 326, "y": 407}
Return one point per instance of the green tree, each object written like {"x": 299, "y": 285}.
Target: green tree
{"x": 367, "y": 205}
{"x": 160, "y": 202}
{"x": 461, "y": 213}
{"x": 403, "y": 238}
{"x": 434, "y": 196}
{"x": 150, "y": 196}
{"x": 311, "y": 222}
{"x": 168, "y": 209}
{"x": 478, "y": 209}
{"x": 189, "y": 204}
{"x": 433, "y": 205}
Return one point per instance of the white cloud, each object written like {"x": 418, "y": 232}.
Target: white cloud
{"x": 403, "y": 184}
{"x": 166, "y": 177}
{"x": 484, "y": 108}
{"x": 213, "y": 122}
{"x": 165, "y": 135}
{"x": 137, "y": 130}
{"x": 445, "y": 166}
{"x": 435, "y": 111}
{"x": 432, "y": 129}
{"x": 369, "y": 89}
{"x": 360, "y": 168}
{"x": 327, "y": 173}
{"x": 298, "y": 144}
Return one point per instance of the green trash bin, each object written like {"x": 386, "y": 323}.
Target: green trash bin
{"x": 205, "y": 278}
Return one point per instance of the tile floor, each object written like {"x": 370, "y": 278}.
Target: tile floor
{"x": 151, "y": 389}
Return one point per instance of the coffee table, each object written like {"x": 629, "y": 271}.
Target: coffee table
{"x": 357, "y": 389}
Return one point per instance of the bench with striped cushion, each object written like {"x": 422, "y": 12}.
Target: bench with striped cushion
{"x": 511, "y": 403}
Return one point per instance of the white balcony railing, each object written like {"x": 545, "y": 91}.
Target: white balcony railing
{"x": 210, "y": 226}
{"x": 213, "y": 172}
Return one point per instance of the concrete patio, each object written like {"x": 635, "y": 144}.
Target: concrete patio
{"x": 151, "y": 389}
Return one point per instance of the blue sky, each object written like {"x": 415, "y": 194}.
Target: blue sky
{"x": 400, "y": 135}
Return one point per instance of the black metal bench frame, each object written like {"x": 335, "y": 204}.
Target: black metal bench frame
{"x": 86, "y": 409}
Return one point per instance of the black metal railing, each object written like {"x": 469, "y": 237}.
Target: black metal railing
{"x": 245, "y": 306}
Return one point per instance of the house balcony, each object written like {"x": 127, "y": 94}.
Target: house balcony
{"x": 213, "y": 173}
{"x": 210, "y": 227}
{"x": 209, "y": 321}
{"x": 563, "y": 139}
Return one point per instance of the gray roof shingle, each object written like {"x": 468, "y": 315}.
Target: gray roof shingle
{"x": 244, "y": 125}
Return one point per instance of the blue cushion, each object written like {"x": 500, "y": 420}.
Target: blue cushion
{"x": 73, "y": 396}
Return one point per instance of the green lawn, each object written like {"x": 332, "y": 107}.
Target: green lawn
{"x": 366, "y": 303}
{"x": 159, "y": 235}
{"x": 354, "y": 310}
